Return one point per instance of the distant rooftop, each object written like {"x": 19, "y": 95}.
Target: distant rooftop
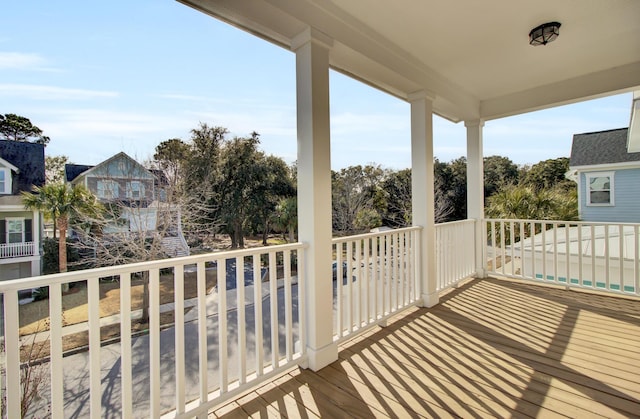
{"x": 29, "y": 159}
{"x": 72, "y": 171}
{"x": 602, "y": 147}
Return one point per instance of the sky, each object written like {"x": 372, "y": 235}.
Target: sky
{"x": 103, "y": 77}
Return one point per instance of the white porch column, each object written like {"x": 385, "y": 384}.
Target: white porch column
{"x": 422, "y": 192}
{"x": 475, "y": 189}
{"x": 36, "y": 229}
{"x": 314, "y": 191}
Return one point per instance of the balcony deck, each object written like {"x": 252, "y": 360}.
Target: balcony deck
{"x": 492, "y": 347}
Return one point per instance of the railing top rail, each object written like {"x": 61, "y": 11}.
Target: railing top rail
{"x": 449, "y": 223}
{"x": 44, "y": 280}
{"x": 380, "y": 233}
{"x": 588, "y": 223}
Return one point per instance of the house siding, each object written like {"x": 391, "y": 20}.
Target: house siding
{"x": 17, "y": 270}
{"x": 92, "y": 185}
{"x": 626, "y": 194}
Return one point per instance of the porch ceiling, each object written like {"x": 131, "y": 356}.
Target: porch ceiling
{"x": 473, "y": 56}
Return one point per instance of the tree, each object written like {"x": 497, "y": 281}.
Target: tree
{"x": 286, "y": 217}
{"x": 274, "y": 183}
{"x": 499, "y": 171}
{"x": 204, "y": 157}
{"x": 201, "y": 179}
{"x": 457, "y": 188}
{"x": 64, "y": 203}
{"x": 366, "y": 219}
{"x": 171, "y": 156}
{"x": 393, "y": 199}
{"x": 54, "y": 168}
{"x": 240, "y": 177}
{"x": 549, "y": 174}
{"x": 526, "y": 202}
{"x": 353, "y": 189}
{"x": 451, "y": 187}
{"x": 18, "y": 128}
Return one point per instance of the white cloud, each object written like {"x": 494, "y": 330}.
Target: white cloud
{"x": 21, "y": 61}
{"x": 24, "y": 61}
{"x": 241, "y": 122}
{"x": 40, "y": 92}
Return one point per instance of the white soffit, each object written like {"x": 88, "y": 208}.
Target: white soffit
{"x": 474, "y": 56}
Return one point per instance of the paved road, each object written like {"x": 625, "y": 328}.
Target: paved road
{"x": 76, "y": 367}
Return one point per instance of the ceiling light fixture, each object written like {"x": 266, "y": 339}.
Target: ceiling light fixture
{"x": 543, "y": 34}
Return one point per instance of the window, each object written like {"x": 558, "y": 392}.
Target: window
{"x": 15, "y": 230}
{"x": 108, "y": 189}
{"x": 600, "y": 188}
{"x": 135, "y": 189}
{"x": 5, "y": 181}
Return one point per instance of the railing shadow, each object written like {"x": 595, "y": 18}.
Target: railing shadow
{"x": 492, "y": 348}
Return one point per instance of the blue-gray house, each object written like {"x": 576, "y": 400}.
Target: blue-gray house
{"x": 608, "y": 176}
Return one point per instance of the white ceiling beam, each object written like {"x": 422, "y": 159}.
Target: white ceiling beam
{"x": 604, "y": 83}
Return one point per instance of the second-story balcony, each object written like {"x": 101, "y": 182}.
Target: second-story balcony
{"x": 218, "y": 339}
{"x": 17, "y": 250}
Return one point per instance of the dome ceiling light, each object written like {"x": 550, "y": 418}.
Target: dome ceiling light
{"x": 543, "y": 34}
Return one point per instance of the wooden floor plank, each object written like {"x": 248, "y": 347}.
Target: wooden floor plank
{"x": 562, "y": 325}
{"x": 286, "y": 404}
{"x": 483, "y": 384}
{"x": 377, "y": 398}
{"x": 471, "y": 361}
{"x": 396, "y": 380}
{"x": 491, "y": 348}
{"x": 514, "y": 348}
{"x": 351, "y": 406}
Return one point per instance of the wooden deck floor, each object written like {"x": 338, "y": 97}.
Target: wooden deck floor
{"x": 492, "y": 348}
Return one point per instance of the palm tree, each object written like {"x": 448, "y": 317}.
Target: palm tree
{"x": 62, "y": 203}
{"x": 286, "y": 216}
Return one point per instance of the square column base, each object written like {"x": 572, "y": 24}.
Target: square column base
{"x": 320, "y": 358}
{"x": 429, "y": 300}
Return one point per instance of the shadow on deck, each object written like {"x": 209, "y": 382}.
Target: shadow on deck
{"x": 491, "y": 348}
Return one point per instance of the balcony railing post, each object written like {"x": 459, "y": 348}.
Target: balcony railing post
{"x": 480, "y": 242}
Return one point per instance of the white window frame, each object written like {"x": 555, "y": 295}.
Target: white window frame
{"x": 6, "y": 186}
{"x": 104, "y": 185}
{"x": 139, "y": 189}
{"x": 8, "y": 232}
{"x": 592, "y": 175}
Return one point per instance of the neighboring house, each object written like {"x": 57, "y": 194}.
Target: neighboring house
{"x": 608, "y": 176}
{"x": 21, "y": 168}
{"x": 139, "y": 195}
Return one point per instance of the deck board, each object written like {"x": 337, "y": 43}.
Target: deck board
{"x": 491, "y": 348}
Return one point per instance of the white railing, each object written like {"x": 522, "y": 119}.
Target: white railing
{"x": 16, "y": 250}
{"x": 229, "y": 338}
{"x": 598, "y": 256}
{"x": 455, "y": 252}
{"x": 374, "y": 276}
{"x": 218, "y": 344}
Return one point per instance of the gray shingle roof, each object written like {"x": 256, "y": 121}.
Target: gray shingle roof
{"x": 603, "y": 147}
{"x": 29, "y": 159}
